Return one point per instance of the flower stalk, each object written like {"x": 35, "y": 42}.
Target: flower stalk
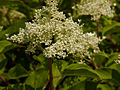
{"x": 97, "y": 22}
{"x": 50, "y": 74}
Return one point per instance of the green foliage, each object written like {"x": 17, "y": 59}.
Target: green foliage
{"x": 17, "y": 71}
{"x": 14, "y": 28}
{"x": 4, "y": 44}
{"x": 56, "y": 72}
{"x": 4, "y": 2}
{"x": 109, "y": 28}
{"x": 21, "y": 71}
{"x": 37, "y": 79}
{"x": 105, "y": 87}
{"x": 84, "y": 86}
{"x": 3, "y": 62}
{"x": 80, "y": 70}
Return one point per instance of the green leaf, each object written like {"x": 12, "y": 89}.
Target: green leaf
{"x": 84, "y": 86}
{"x": 103, "y": 54}
{"x": 3, "y": 62}
{"x": 2, "y": 57}
{"x": 56, "y": 72}
{"x": 17, "y": 71}
{"x": 14, "y": 28}
{"x": 62, "y": 64}
{"x": 42, "y": 59}
{"x": 14, "y": 87}
{"x": 115, "y": 77}
{"x": 60, "y": 2}
{"x": 37, "y": 78}
{"x": 80, "y": 70}
{"x": 77, "y": 66}
{"x": 100, "y": 59}
{"x": 109, "y": 74}
{"x": 105, "y": 87}
{"x": 115, "y": 67}
{"x": 109, "y": 27}
{"x": 111, "y": 59}
{"x": 17, "y": 87}
{"x": 10, "y": 47}
{"x": 9, "y": 3}
{"x": 4, "y": 2}
{"x": 104, "y": 73}
{"x": 4, "y": 44}
{"x": 2, "y": 88}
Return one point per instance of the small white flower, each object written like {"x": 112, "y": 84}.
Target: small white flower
{"x": 81, "y": 62}
{"x": 118, "y": 60}
{"x": 51, "y": 24}
{"x": 95, "y": 8}
{"x": 115, "y": 4}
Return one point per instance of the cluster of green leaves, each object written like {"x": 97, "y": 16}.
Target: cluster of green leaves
{"x": 20, "y": 71}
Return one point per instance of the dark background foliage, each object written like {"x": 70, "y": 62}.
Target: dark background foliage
{"x": 21, "y": 71}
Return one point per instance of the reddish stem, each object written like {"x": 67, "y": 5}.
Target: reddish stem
{"x": 58, "y": 76}
{"x": 4, "y": 80}
{"x": 97, "y": 22}
{"x": 50, "y": 74}
{"x": 114, "y": 43}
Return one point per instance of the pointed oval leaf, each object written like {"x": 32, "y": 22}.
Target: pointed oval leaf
{"x": 37, "y": 78}
{"x": 4, "y": 44}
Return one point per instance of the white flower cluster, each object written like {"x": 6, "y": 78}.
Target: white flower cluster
{"x": 95, "y": 8}
{"x": 81, "y": 62}
{"x": 15, "y": 15}
{"x": 118, "y": 60}
{"x": 61, "y": 35}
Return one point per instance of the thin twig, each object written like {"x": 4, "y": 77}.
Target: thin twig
{"x": 49, "y": 80}
{"x": 97, "y": 22}
{"x": 114, "y": 43}
{"x": 4, "y": 80}
{"x": 50, "y": 74}
{"x": 94, "y": 64}
{"x": 46, "y": 84}
{"x": 38, "y": 2}
{"x": 58, "y": 76}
